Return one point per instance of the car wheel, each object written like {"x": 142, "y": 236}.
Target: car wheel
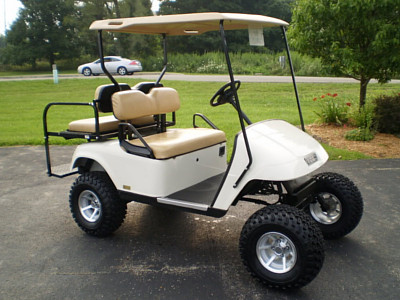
{"x": 95, "y": 204}
{"x": 338, "y": 205}
{"x": 87, "y": 71}
{"x": 122, "y": 71}
{"x": 282, "y": 247}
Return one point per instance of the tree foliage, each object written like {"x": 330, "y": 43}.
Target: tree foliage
{"x": 356, "y": 38}
{"x": 40, "y": 32}
{"x": 238, "y": 41}
{"x": 56, "y": 29}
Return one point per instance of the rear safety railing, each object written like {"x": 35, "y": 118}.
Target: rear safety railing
{"x": 64, "y": 170}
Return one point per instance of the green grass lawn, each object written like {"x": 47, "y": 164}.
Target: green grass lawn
{"x": 22, "y": 104}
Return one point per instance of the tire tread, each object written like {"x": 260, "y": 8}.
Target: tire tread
{"x": 305, "y": 229}
{"x": 114, "y": 210}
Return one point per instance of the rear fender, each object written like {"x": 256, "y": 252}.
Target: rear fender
{"x": 85, "y": 164}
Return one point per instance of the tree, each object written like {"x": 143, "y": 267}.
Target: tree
{"x": 114, "y": 43}
{"x": 238, "y": 41}
{"x": 40, "y": 32}
{"x": 355, "y": 38}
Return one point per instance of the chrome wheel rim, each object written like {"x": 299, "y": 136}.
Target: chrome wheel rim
{"x": 276, "y": 252}
{"x": 122, "y": 71}
{"x": 332, "y": 214}
{"x": 87, "y": 72}
{"x": 89, "y": 206}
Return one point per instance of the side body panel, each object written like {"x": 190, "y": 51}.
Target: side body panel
{"x": 152, "y": 177}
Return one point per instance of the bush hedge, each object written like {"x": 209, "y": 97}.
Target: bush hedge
{"x": 387, "y": 113}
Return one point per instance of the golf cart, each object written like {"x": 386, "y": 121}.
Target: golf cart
{"x": 137, "y": 154}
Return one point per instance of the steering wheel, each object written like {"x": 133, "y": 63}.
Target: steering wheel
{"x": 225, "y": 94}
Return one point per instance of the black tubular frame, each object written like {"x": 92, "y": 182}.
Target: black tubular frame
{"x": 164, "y": 36}
{"x": 101, "y": 54}
{"x": 205, "y": 119}
{"x": 293, "y": 77}
{"x": 239, "y": 110}
{"x": 66, "y": 135}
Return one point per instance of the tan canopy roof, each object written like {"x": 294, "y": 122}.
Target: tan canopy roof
{"x": 186, "y": 24}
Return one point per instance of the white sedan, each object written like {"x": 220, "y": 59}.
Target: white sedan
{"x": 114, "y": 64}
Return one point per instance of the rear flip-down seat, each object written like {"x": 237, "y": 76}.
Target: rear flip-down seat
{"x": 134, "y": 104}
{"x": 106, "y": 124}
{"x": 103, "y": 95}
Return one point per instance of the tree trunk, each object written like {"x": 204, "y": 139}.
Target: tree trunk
{"x": 363, "y": 90}
{"x": 51, "y": 60}
{"x": 33, "y": 63}
{"x": 117, "y": 11}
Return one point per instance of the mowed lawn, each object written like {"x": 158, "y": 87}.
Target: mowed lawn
{"x": 22, "y": 104}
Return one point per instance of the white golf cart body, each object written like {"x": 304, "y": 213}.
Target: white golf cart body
{"x": 280, "y": 151}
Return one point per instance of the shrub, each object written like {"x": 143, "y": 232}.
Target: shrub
{"x": 359, "y": 134}
{"x": 242, "y": 63}
{"x": 363, "y": 119}
{"x": 387, "y": 113}
{"x": 332, "y": 109}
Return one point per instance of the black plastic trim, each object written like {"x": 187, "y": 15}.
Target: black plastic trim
{"x": 129, "y": 197}
{"x": 227, "y": 171}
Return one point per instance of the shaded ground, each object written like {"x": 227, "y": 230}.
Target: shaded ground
{"x": 163, "y": 254}
{"x": 382, "y": 146}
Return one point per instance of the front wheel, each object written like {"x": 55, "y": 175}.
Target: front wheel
{"x": 95, "y": 204}
{"x": 87, "y": 72}
{"x": 282, "y": 247}
{"x": 337, "y": 206}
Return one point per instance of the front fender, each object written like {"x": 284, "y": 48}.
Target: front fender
{"x": 280, "y": 151}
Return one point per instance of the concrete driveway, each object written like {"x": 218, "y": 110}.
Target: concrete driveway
{"x": 162, "y": 254}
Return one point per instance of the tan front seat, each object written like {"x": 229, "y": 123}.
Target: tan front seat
{"x": 135, "y": 104}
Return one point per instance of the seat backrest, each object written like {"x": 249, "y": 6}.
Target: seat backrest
{"x": 146, "y": 87}
{"x": 103, "y": 95}
{"x": 128, "y": 105}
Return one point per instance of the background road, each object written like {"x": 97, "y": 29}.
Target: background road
{"x": 163, "y": 254}
{"x": 216, "y": 78}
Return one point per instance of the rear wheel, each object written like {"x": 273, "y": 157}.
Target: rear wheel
{"x": 282, "y": 247}
{"x": 122, "y": 71}
{"x": 95, "y": 204}
{"x": 337, "y": 206}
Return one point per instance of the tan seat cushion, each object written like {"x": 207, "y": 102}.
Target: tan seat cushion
{"x": 175, "y": 142}
{"x": 106, "y": 124}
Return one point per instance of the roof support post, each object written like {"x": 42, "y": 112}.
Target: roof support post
{"x": 165, "y": 59}
{"x": 293, "y": 78}
{"x": 239, "y": 110}
{"x": 103, "y": 66}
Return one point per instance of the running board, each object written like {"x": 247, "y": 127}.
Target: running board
{"x": 185, "y": 204}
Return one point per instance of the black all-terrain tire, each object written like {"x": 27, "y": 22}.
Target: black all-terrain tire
{"x": 345, "y": 205}
{"x": 284, "y": 237}
{"x": 95, "y": 204}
